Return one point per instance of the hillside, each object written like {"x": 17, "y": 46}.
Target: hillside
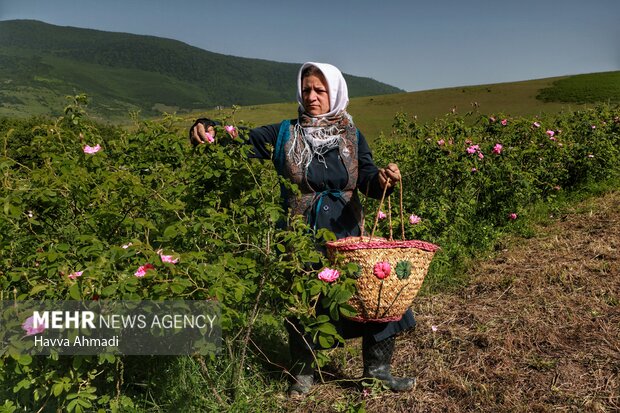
{"x": 41, "y": 63}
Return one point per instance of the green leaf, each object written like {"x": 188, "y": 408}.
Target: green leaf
{"x": 74, "y": 292}
{"x": 326, "y": 341}
{"x": 347, "y": 310}
{"x": 24, "y": 359}
{"x": 109, "y": 290}
{"x": 170, "y": 232}
{"x": 57, "y": 389}
{"x": 38, "y": 288}
{"x": 328, "y": 328}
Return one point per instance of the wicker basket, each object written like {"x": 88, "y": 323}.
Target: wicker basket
{"x": 390, "y": 272}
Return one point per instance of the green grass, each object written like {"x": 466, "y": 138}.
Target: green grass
{"x": 587, "y": 88}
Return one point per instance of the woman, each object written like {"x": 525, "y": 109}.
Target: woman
{"x": 329, "y": 159}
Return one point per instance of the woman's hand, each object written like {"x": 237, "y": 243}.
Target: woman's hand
{"x": 198, "y": 134}
{"x": 389, "y": 176}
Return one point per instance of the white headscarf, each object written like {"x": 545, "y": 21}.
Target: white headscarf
{"x": 337, "y": 86}
{"x": 318, "y": 134}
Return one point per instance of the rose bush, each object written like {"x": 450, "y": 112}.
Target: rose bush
{"x": 92, "y": 211}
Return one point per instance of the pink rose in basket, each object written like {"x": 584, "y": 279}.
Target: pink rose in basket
{"x": 382, "y": 270}
{"x": 329, "y": 275}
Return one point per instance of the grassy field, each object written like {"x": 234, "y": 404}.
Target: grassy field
{"x": 374, "y": 115}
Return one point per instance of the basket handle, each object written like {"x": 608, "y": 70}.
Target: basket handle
{"x": 402, "y": 221}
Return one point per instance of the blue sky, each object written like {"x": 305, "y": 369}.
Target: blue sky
{"x": 414, "y": 45}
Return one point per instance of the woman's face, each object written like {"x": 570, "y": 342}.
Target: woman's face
{"x": 315, "y": 94}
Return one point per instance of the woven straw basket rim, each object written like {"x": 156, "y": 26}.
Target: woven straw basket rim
{"x": 355, "y": 243}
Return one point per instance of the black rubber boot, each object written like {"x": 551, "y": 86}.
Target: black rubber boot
{"x": 377, "y": 363}
{"x": 301, "y": 365}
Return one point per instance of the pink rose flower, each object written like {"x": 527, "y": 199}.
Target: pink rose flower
{"x": 472, "y": 149}
{"x": 167, "y": 258}
{"x": 414, "y": 219}
{"x": 230, "y": 129}
{"x": 550, "y": 133}
{"x": 91, "y": 149}
{"x": 329, "y": 275}
{"x": 382, "y": 215}
{"x": 504, "y": 122}
{"x": 441, "y": 142}
{"x": 30, "y": 329}
{"x": 512, "y": 216}
{"x": 141, "y": 272}
{"x": 382, "y": 270}
{"x": 480, "y": 155}
{"x": 209, "y": 137}
{"x": 74, "y": 275}
{"x": 497, "y": 149}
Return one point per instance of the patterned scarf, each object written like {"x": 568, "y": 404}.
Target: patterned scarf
{"x": 315, "y": 136}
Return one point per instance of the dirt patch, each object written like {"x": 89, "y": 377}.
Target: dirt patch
{"x": 537, "y": 330}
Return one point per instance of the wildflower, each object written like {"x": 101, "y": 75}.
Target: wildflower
{"x": 504, "y": 122}
{"x": 553, "y": 138}
{"x": 536, "y": 125}
{"x": 414, "y": 219}
{"x": 557, "y": 187}
{"x": 125, "y": 246}
{"x": 30, "y": 214}
{"x": 590, "y": 156}
{"x": 550, "y": 133}
{"x": 382, "y": 270}
{"x": 91, "y": 149}
{"x": 365, "y": 393}
{"x": 382, "y": 215}
{"x": 230, "y": 129}
{"x": 497, "y": 149}
{"x": 30, "y": 329}
{"x": 593, "y": 126}
{"x": 434, "y": 329}
{"x": 74, "y": 275}
{"x": 512, "y": 216}
{"x": 167, "y": 258}
{"x": 141, "y": 272}
{"x": 474, "y": 170}
{"x": 480, "y": 155}
{"x": 441, "y": 142}
{"x": 473, "y": 149}
{"x": 209, "y": 137}
{"x": 491, "y": 119}
{"x": 329, "y": 275}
